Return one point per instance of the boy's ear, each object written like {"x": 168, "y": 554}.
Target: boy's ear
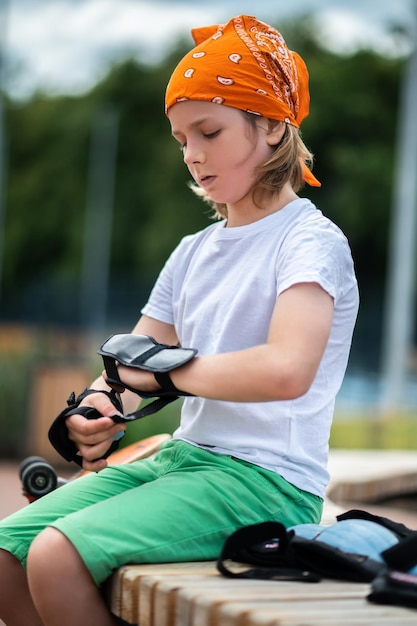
{"x": 275, "y": 132}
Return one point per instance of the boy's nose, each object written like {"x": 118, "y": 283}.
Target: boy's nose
{"x": 193, "y": 154}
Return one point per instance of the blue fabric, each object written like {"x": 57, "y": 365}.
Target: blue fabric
{"x": 355, "y": 536}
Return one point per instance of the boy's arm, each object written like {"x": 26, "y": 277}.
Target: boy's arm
{"x": 94, "y": 437}
{"x": 281, "y": 369}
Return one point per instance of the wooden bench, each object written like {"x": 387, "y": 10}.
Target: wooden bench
{"x": 195, "y": 594}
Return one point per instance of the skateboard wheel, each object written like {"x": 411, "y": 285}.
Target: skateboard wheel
{"x": 37, "y": 476}
{"x": 29, "y": 461}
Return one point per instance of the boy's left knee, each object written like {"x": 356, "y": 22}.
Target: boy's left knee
{"x": 51, "y": 555}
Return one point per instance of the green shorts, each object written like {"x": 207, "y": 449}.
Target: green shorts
{"x": 179, "y": 506}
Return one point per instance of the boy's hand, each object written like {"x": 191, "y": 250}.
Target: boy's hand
{"x": 93, "y": 437}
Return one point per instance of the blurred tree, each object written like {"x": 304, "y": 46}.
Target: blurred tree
{"x": 351, "y": 129}
{"x": 153, "y": 206}
{"x": 47, "y": 175}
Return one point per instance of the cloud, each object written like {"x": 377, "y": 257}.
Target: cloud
{"x": 67, "y": 45}
{"x": 343, "y": 32}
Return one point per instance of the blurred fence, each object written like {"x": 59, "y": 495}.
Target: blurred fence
{"x": 40, "y": 367}
{"x": 38, "y": 370}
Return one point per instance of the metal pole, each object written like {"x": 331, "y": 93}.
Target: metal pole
{"x": 3, "y": 30}
{"x": 400, "y": 308}
{"x": 99, "y": 217}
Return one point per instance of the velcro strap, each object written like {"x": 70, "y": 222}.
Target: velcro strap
{"x": 393, "y": 587}
{"x": 398, "y": 528}
{"x": 164, "y": 379}
{"x": 402, "y": 556}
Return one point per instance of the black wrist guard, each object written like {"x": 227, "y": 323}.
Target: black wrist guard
{"x": 143, "y": 352}
{"x": 137, "y": 351}
{"x": 58, "y": 432}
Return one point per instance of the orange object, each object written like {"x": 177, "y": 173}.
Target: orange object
{"x": 244, "y": 64}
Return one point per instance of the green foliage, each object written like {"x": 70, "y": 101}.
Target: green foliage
{"x": 15, "y": 373}
{"x": 369, "y": 432}
{"x": 351, "y": 130}
{"x": 357, "y": 158}
{"x": 46, "y": 185}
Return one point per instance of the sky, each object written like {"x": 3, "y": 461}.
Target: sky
{"x": 66, "y": 46}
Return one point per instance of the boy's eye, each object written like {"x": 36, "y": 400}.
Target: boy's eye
{"x": 211, "y": 135}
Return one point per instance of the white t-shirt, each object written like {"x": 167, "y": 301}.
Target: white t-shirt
{"x": 219, "y": 288}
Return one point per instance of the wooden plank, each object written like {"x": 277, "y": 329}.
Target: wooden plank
{"x": 165, "y": 597}
{"x": 180, "y": 593}
{"x": 313, "y": 613}
{"x": 346, "y": 620}
{"x": 341, "y": 616}
{"x": 125, "y": 584}
{"x": 158, "y": 596}
{"x": 194, "y": 594}
{"x": 203, "y": 608}
{"x": 370, "y": 475}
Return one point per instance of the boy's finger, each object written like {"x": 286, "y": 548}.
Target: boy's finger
{"x": 94, "y": 453}
{"x": 90, "y": 433}
{"x": 81, "y": 424}
{"x": 94, "y": 466}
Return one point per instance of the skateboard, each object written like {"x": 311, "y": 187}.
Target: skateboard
{"x": 39, "y": 478}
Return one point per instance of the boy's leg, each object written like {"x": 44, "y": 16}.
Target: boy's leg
{"x": 186, "y": 514}
{"x": 18, "y": 607}
{"x": 195, "y": 501}
{"x": 18, "y": 531}
{"x": 49, "y": 578}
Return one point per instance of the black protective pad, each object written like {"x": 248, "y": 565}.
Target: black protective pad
{"x": 274, "y": 550}
{"x": 58, "y": 432}
{"x": 143, "y": 352}
{"x": 138, "y": 351}
{"x": 265, "y": 546}
{"x": 402, "y": 556}
{"x": 393, "y": 587}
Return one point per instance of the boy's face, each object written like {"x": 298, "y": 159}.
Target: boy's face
{"x": 221, "y": 148}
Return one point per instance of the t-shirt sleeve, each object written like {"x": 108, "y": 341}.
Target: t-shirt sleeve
{"x": 160, "y": 302}
{"x": 162, "y": 299}
{"x": 318, "y": 254}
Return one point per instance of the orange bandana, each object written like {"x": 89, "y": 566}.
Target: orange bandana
{"x": 247, "y": 65}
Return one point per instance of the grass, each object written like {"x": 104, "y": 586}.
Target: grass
{"x": 360, "y": 431}
{"x": 21, "y": 351}
{"x": 390, "y": 432}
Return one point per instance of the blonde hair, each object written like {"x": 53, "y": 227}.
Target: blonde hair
{"x": 286, "y": 163}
